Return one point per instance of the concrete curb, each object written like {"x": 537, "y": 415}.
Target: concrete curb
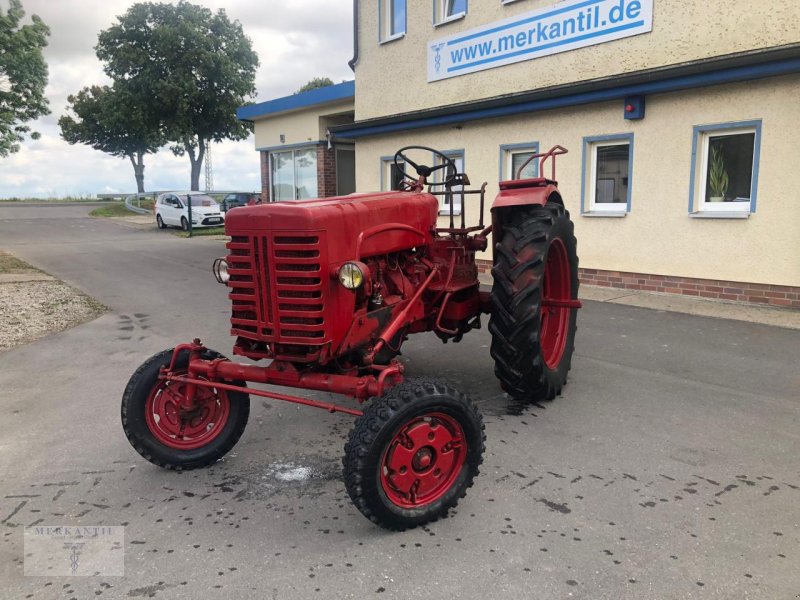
{"x": 24, "y": 277}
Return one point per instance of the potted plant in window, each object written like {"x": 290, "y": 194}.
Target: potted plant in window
{"x": 717, "y": 175}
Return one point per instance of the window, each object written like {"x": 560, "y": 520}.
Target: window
{"x": 293, "y": 174}
{"x": 457, "y": 156}
{"x": 391, "y": 177}
{"x": 513, "y": 156}
{"x": 445, "y": 11}
{"x": 392, "y": 19}
{"x": 725, "y": 169}
{"x": 607, "y": 173}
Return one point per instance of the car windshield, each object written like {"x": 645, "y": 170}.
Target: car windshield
{"x": 199, "y": 200}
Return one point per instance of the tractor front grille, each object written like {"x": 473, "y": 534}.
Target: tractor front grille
{"x": 278, "y": 288}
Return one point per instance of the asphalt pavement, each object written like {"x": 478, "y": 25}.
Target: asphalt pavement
{"x": 669, "y": 467}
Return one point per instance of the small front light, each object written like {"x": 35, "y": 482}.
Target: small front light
{"x": 351, "y": 276}
{"x": 220, "y": 270}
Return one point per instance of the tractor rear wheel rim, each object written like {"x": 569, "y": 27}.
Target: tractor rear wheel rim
{"x": 557, "y": 287}
{"x": 183, "y": 429}
{"x": 423, "y": 460}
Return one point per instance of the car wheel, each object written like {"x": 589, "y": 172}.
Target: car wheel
{"x": 184, "y": 224}
{"x": 160, "y": 222}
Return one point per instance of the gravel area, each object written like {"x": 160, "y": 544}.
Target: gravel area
{"x": 30, "y": 310}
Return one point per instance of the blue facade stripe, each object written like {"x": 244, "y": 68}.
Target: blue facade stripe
{"x": 731, "y": 75}
{"x": 579, "y": 38}
{"x": 331, "y": 93}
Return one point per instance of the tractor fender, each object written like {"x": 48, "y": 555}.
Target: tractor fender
{"x": 523, "y": 193}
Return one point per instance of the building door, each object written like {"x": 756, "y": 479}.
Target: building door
{"x": 345, "y": 171}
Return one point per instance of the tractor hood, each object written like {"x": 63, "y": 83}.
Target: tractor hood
{"x": 357, "y": 225}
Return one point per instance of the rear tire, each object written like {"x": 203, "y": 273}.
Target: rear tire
{"x": 535, "y": 260}
{"x": 218, "y": 425}
{"x": 413, "y": 453}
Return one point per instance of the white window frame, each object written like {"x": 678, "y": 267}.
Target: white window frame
{"x": 444, "y": 208}
{"x": 589, "y": 205}
{"x": 385, "y": 15}
{"x": 387, "y": 162}
{"x": 698, "y": 206}
{"x": 507, "y": 152}
{"x": 294, "y": 151}
{"x": 440, "y": 9}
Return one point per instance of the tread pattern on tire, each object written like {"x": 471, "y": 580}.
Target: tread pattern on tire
{"x": 518, "y": 273}
{"x": 360, "y": 465}
{"x": 132, "y": 427}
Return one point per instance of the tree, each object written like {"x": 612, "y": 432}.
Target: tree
{"x": 314, "y": 84}
{"x": 109, "y": 120}
{"x": 191, "y": 67}
{"x": 23, "y": 76}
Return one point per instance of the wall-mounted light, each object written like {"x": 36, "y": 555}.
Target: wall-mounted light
{"x": 283, "y": 139}
{"x": 634, "y": 108}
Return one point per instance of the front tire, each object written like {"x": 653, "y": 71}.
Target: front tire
{"x": 159, "y": 431}
{"x": 413, "y": 453}
{"x": 535, "y": 268}
{"x": 160, "y": 222}
{"x": 184, "y": 224}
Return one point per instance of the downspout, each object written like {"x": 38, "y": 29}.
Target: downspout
{"x": 352, "y": 62}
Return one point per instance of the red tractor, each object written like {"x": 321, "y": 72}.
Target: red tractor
{"x": 328, "y": 290}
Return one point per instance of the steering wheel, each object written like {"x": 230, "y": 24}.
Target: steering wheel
{"x": 424, "y": 170}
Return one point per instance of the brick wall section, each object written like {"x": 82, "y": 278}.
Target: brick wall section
{"x": 264, "y": 176}
{"x": 783, "y": 296}
{"x": 326, "y": 171}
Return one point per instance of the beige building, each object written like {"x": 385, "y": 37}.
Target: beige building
{"x": 682, "y": 174}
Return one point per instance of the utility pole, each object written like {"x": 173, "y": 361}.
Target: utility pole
{"x": 209, "y": 169}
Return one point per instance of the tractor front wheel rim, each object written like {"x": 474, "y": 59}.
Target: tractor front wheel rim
{"x": 186, "y": 429}
{"x": 422, "y": 460}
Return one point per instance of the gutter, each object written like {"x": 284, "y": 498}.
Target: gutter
{"x": 352, "y": 62}
{"x": 713, "y": 71}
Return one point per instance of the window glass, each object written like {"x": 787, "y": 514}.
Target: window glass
{"x": 517, "y": 160}
{"x": 391, "y": 176}
{"x": 199, "y": 200}
{"x": 294, "y": 174}
{"x": 282, "y": 176}
{"x": 398, "y": 22}
{"x": 392, "y": 18}
{"x": 455, "y": 7}
{"x": 305, "y": 173}
{"x": 458, "y": 159}
{"x": 396, "y": 176}
{"x": 449, "y": 9}
{"x": 729, "y": 167}
{"x": 611, "y": 174}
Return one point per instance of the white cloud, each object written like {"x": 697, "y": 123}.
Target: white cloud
{"x": 295, "y": 41}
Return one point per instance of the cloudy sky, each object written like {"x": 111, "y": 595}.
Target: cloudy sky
{"x": 296, "y": 40}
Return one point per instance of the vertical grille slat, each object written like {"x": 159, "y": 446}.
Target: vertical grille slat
{"x": 278, "y": 288}
{"x": 298, "y": 268}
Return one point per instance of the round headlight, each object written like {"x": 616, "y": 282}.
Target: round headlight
{"x": 220, "y": 270}
{"x": 351, "y": 276}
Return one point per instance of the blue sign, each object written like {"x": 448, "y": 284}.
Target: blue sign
{"x": 567, "y": 26}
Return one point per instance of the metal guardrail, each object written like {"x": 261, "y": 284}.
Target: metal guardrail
{"x": 137, "y": 198}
